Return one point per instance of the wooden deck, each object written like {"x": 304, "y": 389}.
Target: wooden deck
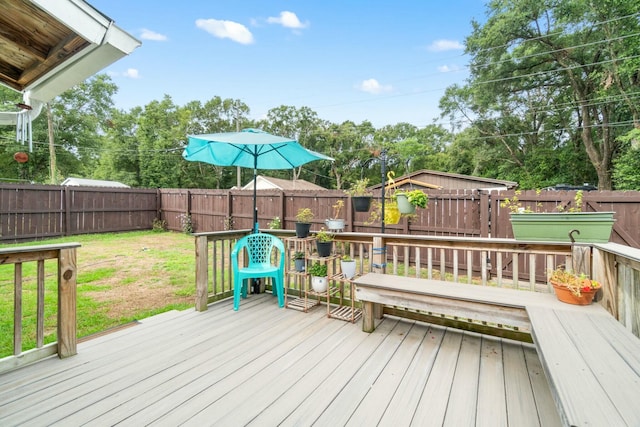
{"x": 267, "y": 366}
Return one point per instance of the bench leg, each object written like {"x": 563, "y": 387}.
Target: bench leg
{"x": 368, "y": 321}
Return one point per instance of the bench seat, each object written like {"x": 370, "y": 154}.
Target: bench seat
{"x": 591, "y": 361}
{"x": 592, "y": 364}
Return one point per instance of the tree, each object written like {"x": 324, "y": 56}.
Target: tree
{"x": 119, "y": 157}
{"x": 553, "y": 71}
{"x": 161, "y": 134}
{"x": 628, "y": 164}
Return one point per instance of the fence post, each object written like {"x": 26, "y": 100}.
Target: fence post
{"x": 67, "y": 211}
{"x": 67, "y": 273}
{"x": 202, "y": 273}
{"x": 484, "y": 214}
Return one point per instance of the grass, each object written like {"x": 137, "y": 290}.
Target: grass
{"x": 122, "y": 277}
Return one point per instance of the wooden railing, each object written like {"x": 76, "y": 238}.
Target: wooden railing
{"x": 504, "y": 263}
{"x": 487, "y": 262}
{"x": 66, "y": 344}
{"x": 618, "y": 268}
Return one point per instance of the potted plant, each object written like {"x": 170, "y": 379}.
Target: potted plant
{"x": 318, "y": 273}
{"x": 303, "y": 222}
{"x": 391, "y": 212}
{"x": 335, "y": 223}
{"x": 408, "y": 201}
{"x": 299, "y": 261}
{"x": 573, "y": 288}
{"x": 590, "y": 227}
{"x": 324, "y": 242}
{"x": 348, "y": 266}
{"x": 360, "y": 195}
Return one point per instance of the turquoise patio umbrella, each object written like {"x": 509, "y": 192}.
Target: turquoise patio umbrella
{"x": 249, "y": 148}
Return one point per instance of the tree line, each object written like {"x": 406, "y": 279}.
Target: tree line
{"x": 553, "y": 97}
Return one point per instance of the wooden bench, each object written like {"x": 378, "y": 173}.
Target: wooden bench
{"x": 591, "y": 361}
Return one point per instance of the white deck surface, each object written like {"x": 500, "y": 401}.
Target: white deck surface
{"x": 267, "y": 366}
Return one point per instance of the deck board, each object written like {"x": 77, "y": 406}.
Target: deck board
{"x": 461, "y": 409}
{"x": 492, "y": 406}
{"x": 264, "y": 365}
{"x": 520, "y": 399}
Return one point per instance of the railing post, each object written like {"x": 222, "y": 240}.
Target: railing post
{"x": 202, "y": 272}
{"x": 67, "y": 273}
{"x": 605, "y": 272}
{"x": 378, "y": 265}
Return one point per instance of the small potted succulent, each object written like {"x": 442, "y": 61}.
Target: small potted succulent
{"x": 324, "y": 242}
{"x": 303, "y": 222}
{"x": 299, "y": 261}
{"x": 319, "y": 280}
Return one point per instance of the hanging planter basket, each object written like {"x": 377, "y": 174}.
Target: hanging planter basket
{"x": 391, "y": 213}
{"x": 361, "y": 203}
{"x": 404, "y": 206}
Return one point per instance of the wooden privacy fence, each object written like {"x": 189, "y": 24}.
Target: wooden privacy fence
{"x": 460, "y": 213}
{"x": 31, "y": 212}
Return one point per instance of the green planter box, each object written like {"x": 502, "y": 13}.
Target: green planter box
{"x": 594, "y": 227}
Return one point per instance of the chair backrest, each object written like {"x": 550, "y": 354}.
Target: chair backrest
{"x": 259, "y": 248}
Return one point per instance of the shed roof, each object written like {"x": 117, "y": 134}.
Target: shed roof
{"x": 270, "y": 183}
{"x": 93, "y": 183}
{"x": 451, "y": 181}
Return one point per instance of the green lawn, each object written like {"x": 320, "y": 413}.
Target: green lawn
{"x": 121, "y": 277}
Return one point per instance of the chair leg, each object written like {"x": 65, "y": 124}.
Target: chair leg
{"x": 245, "y": 284}
{"x": 237, "y": 289}
{"x": 279, "y": 286}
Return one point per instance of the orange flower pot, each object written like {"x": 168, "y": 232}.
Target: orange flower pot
{"x": 564, "y": 294}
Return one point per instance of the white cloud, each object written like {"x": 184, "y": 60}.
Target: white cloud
{"x": 443, "y": 45}
{"x": 146, "y": 34}
{"x": 226, "y": 30}
{"x": 373, "y": 86}
{"x": 132, "y": 73}
{"x": 448, "y": 68}
{"x": 288, "y": 20}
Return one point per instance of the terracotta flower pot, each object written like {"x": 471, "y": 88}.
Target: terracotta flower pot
{"x": 564, "y": 294}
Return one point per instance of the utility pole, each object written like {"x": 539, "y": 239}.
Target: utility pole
{"x": 52, "y": 147}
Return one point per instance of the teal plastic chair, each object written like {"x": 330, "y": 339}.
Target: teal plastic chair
{"x": 259, "y": 247}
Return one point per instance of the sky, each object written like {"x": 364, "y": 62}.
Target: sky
{"x": 382, "y": 61}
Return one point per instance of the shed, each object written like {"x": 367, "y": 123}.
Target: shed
{"x": 83, "y": 182}
{"x": 429, "y": 179}
{"x": 270, "y": 183}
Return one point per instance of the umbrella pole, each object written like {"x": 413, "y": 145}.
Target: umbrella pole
{"x": 255, "y": 194}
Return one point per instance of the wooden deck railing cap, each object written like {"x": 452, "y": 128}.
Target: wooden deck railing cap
{"x": 22, "y": 249}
